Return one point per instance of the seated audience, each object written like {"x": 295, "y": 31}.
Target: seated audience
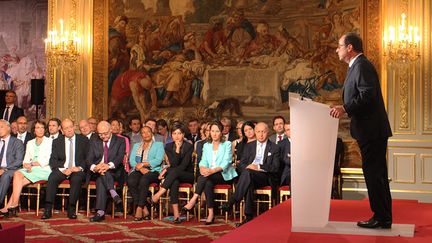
{"x": 194, "y": 132}
{"x": 278, "y": 127}
{"x": 67, "y": 162}
{"x": 105, "y": 158}
{"x": 180, "y": 169}
{"x": 54, "y": 128}
{"x": 285, "y": 157}
{"x": 84, "y": 127}
{"x": 22, "y": 134}
{"x": 259, "y": 166}
{"x": 215, "y": 168}
{"x": 146, "y": 159}
{"x": 227, "y": 132}
{"x": 150, "y": 122}
{"x": 35, "y": 167}
{"x": 248, "y": 135}
{"x": 14, "y": 128}
{"x": 134, "y": 134}
{"x": 93, "y": 123}
{"x": 11, "y": 157}
{"x": 116, "y": 130}
{"x": 163, "y": 130}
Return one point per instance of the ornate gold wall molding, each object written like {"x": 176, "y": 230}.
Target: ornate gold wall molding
{"x": 100, "y": 59}
{"x": 426, "y": 79}
{"x": 372, "y": 33}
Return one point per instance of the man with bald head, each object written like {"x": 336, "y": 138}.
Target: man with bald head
{"x": 11, "y": 157}
{"x": 68, "y": 162}
{"x": 85, "y": 129}
{"x": 259, "y": 167}
{"x": 22, "y": 133}
{"x": 106, "y": 164}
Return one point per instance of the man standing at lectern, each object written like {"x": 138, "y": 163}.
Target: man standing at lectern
{"x": 363, "y": 102}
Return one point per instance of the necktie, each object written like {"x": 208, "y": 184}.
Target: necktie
{"x": 259, "y": 155}
{"x": 194, "y": 137}
{"x": 2, "y": 153}
{"x": 279, "y": 138}
{"x": 105, "y": 152}
{"x": 71, "y": 153}
{"x": 6, "y": 114}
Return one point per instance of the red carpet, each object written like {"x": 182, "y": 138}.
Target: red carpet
{"x": 61, "y": 229}
{"x": 275, "y": 225}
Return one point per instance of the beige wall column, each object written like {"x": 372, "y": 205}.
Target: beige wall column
{"x": 69, "y": 86}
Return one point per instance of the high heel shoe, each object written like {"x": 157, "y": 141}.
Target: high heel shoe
{"x": 13, "y": 211}
{"x": 210, "y": 222}
{"x": 185, "y": 210}
{"x": 4, "y": 214}
{"x": 177, "y": 220}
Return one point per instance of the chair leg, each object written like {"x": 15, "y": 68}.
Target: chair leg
{"x": 77, "y": 207}
{"x": 226, "y": 213}
{"x": 113, "y": 209}
{"x": 88, "y": 201}
{"x": 37, "y": 200}
{"x": 199, "y": 208}
{"x": 188, "y": 199}
{"x": 125, "y": 189}
{"x": 241, "y": 211}
{"x": 28, "y": 200}
{"x": 63, "y": 200}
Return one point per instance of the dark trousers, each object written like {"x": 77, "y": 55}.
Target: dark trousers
{"x": 76, "y": 179}
{"x": 172, "y": 182}
{"x": 206, "y": 184}
{"x": 105, "y": 183}
{"x": 247, "y": 183}
{"x": 138, "y": 185}
{"x": 376, "y": 177}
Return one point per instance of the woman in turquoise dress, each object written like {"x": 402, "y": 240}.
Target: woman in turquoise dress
{"x": 35, "y": 167}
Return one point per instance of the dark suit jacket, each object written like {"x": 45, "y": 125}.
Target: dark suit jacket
{"x": 364, "y": 103}
{"x": 285, "y": 161}
{"x": 182, "y": 161}
{"x": 58, "y": 154}
{"x": 14, "y": 154}
{"x": 116, "y": 151}
{"x": 232, "y": 136}
{"x": 271, "y": 161}
{"x": 29, "y": 136}
{"x": 190, "y": 138}
{"x": 16, "y": 112}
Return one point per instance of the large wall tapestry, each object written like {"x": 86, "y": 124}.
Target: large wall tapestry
{"x": 205, "y": 56}
{"x": 23, "y": 29}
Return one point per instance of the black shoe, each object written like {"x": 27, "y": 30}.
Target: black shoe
{"x": 373, "y": 224}
{"x": 117, "y": 200}
{"x": 243, "y": 222}
{"x": 177, "y": 220}
{"x": 72, "y": 215}
{"x": 226, "y": 207}
{"x": 97, "y": 218}
{"x": 210, "y": 222}
{"x": 47, "y": 214}
{"x": 138, "y": 218}
{"x": 13, "y": 211}
{"x": 185, "y": 210}
{"x": 4, "y": 214}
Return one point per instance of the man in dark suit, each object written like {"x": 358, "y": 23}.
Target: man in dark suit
{"x": 11, "y": 112}
{"x": 11, "y": 157}
{"x": 106, "y": 162}
{"x": 22, "y": 134}
{"x": 67, "y": 162}
{"x": 84, "y": 127}
{"x": 227, "y": 131}
{"x": 363, "y": 102}
{"x": 194, "y": 133}
{"x": 285, "y": 157}
{"x": 260, "y": 167}
{"x": 278, "y": 127}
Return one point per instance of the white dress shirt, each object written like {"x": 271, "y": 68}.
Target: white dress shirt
{"x": 22, "y": 136}
{"x": 110, "y": 164}
{"x": 9, "y": 111}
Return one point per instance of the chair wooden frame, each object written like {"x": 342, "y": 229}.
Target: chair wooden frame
{"x": 92, "y": 186}
{"x": 152, "y": 188}
{"x": 284, "y": 192}
{"x": 224, "y": 189}
{"x": 267, "y": 191}
{"x": 37, "y": 185}
{"x": 63, "y": 186}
